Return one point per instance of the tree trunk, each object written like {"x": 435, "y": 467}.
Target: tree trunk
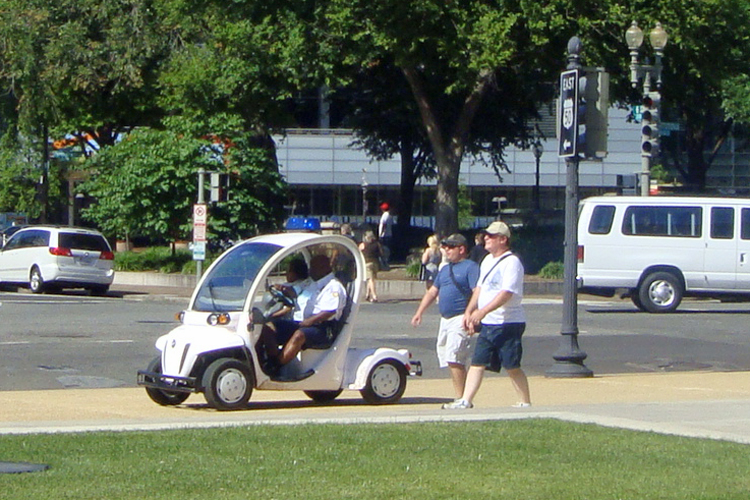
{"x": 448, "y": 149}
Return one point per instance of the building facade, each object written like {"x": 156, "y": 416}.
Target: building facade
{"x": 329, "y": 178}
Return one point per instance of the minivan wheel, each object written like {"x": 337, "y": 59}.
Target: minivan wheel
{"x": 36, "y": 283}
{"x": 99, "y": 290}
{"x": 660, "y": 292}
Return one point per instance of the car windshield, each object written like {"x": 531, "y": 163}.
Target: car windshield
{"x": 227, "y": 284}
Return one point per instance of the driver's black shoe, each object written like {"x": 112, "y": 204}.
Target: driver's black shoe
{"x": 271, "y": 367}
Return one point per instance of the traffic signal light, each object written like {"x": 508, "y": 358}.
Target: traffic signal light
{"x": 650, "y": 124}
{"x": 219, "y": 187}
{"x": 593, "y": 114}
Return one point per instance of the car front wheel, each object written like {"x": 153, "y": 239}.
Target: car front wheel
{"x": 386, "y": 383}
{"x": 228, "y": 384}
{"x": 162, "y": 397}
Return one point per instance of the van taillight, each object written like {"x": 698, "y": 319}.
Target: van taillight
{"x": 106, "y": 256}
{"x": 580, "y": 254}
{"x": 60, "y": 252}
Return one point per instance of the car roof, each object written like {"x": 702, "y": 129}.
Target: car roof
{"x": 63, "y": 228}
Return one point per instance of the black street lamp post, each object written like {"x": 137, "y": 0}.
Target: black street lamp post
{"x": 650, "y": 133}
{"x": 538, "y": 151}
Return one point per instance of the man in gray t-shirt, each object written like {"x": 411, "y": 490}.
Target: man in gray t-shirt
{"x": 453, "y": 285}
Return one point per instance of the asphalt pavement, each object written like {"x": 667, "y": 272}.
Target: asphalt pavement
{"x": 704, "y": 404}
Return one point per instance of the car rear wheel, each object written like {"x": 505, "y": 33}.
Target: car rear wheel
{"x": 36, "y": 282}
{"x": 162, "y": 397}
{"x": 386, "y": 383}
{"x": 228, "y": 384}
{"x": 323, "y": 396}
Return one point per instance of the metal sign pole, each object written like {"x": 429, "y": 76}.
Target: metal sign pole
{"x": 569, "y": 357}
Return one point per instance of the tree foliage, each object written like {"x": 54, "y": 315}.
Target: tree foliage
{"x": 476, "y": 70}
{"x": 146, "y": 186}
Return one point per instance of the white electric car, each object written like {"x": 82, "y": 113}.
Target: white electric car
{"x": 216, "y": 349}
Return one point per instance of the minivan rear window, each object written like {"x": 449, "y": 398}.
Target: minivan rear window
{"x": 684, "y": 222}
{"x": 601, "y": 219}
{"x": 80, "y": 241}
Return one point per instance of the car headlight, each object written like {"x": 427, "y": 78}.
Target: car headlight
{"x": 215, "y": 319}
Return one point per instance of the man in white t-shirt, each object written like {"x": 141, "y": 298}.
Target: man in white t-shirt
{"x": 495, "y": 308}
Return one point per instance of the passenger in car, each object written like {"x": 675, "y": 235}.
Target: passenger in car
{"x": 323, "y": 309}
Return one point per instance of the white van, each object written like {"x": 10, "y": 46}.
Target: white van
{"x": 659, "y": 249}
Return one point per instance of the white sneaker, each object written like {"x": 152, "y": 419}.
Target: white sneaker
{"x": 459, "y": 404}
{"x": 521, "y": 405}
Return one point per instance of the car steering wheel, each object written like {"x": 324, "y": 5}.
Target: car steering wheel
{"x": 280, "y": 296}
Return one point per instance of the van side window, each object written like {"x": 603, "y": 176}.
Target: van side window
{"x": 722, "y": 223}
{"x": 601, "y": 219}
{"x": 745, "y": 224}
{"x": 662, "y": 221}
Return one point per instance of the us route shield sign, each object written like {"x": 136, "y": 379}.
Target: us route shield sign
{"x": 568, "y": 115}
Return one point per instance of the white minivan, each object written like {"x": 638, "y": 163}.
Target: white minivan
{"x": 659, "y": 249}
{"x": 48, "y": 258}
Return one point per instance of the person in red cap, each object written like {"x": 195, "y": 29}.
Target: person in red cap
{"x": 385, "y": 232}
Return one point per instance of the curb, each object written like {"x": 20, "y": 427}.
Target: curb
{"x": 404, "y": 289}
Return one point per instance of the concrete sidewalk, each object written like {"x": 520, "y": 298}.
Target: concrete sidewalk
{"x": 697, "y": 404}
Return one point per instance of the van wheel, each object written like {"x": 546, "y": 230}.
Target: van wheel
{"x": 660, "y": 292}
{"x": 36, "y": 282}
{"x": 636, "y": 299}
{"x": 228, "y": 384}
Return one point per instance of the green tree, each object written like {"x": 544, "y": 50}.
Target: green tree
{"x": 378, "y": 105}
{"x": 704, "y": 78}
{"x": 145, "y": 185}
{"x": 85, "y": 68}
{"x": 461, "y": 60}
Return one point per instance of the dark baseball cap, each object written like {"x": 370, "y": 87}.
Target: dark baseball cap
{"x": 454, "y": 240}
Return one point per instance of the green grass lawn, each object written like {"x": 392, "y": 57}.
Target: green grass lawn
{"x": 529, "y": 459}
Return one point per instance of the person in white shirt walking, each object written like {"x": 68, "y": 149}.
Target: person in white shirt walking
{"x": 495, "y": 308}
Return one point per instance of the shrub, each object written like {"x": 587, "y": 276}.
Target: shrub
{"x": 413, "y": 268}
{"x": 153, "y": 259}
{"x": 552, "y": 271}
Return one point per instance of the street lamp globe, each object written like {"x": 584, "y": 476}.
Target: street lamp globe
{"x": 537, "y": 149}
{"x": 634, "y": 36}
{"x": 658, "y": 37}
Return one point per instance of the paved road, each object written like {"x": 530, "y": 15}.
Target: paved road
{"x": 672, "y": 374}
{"x": 77, "y": 341}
